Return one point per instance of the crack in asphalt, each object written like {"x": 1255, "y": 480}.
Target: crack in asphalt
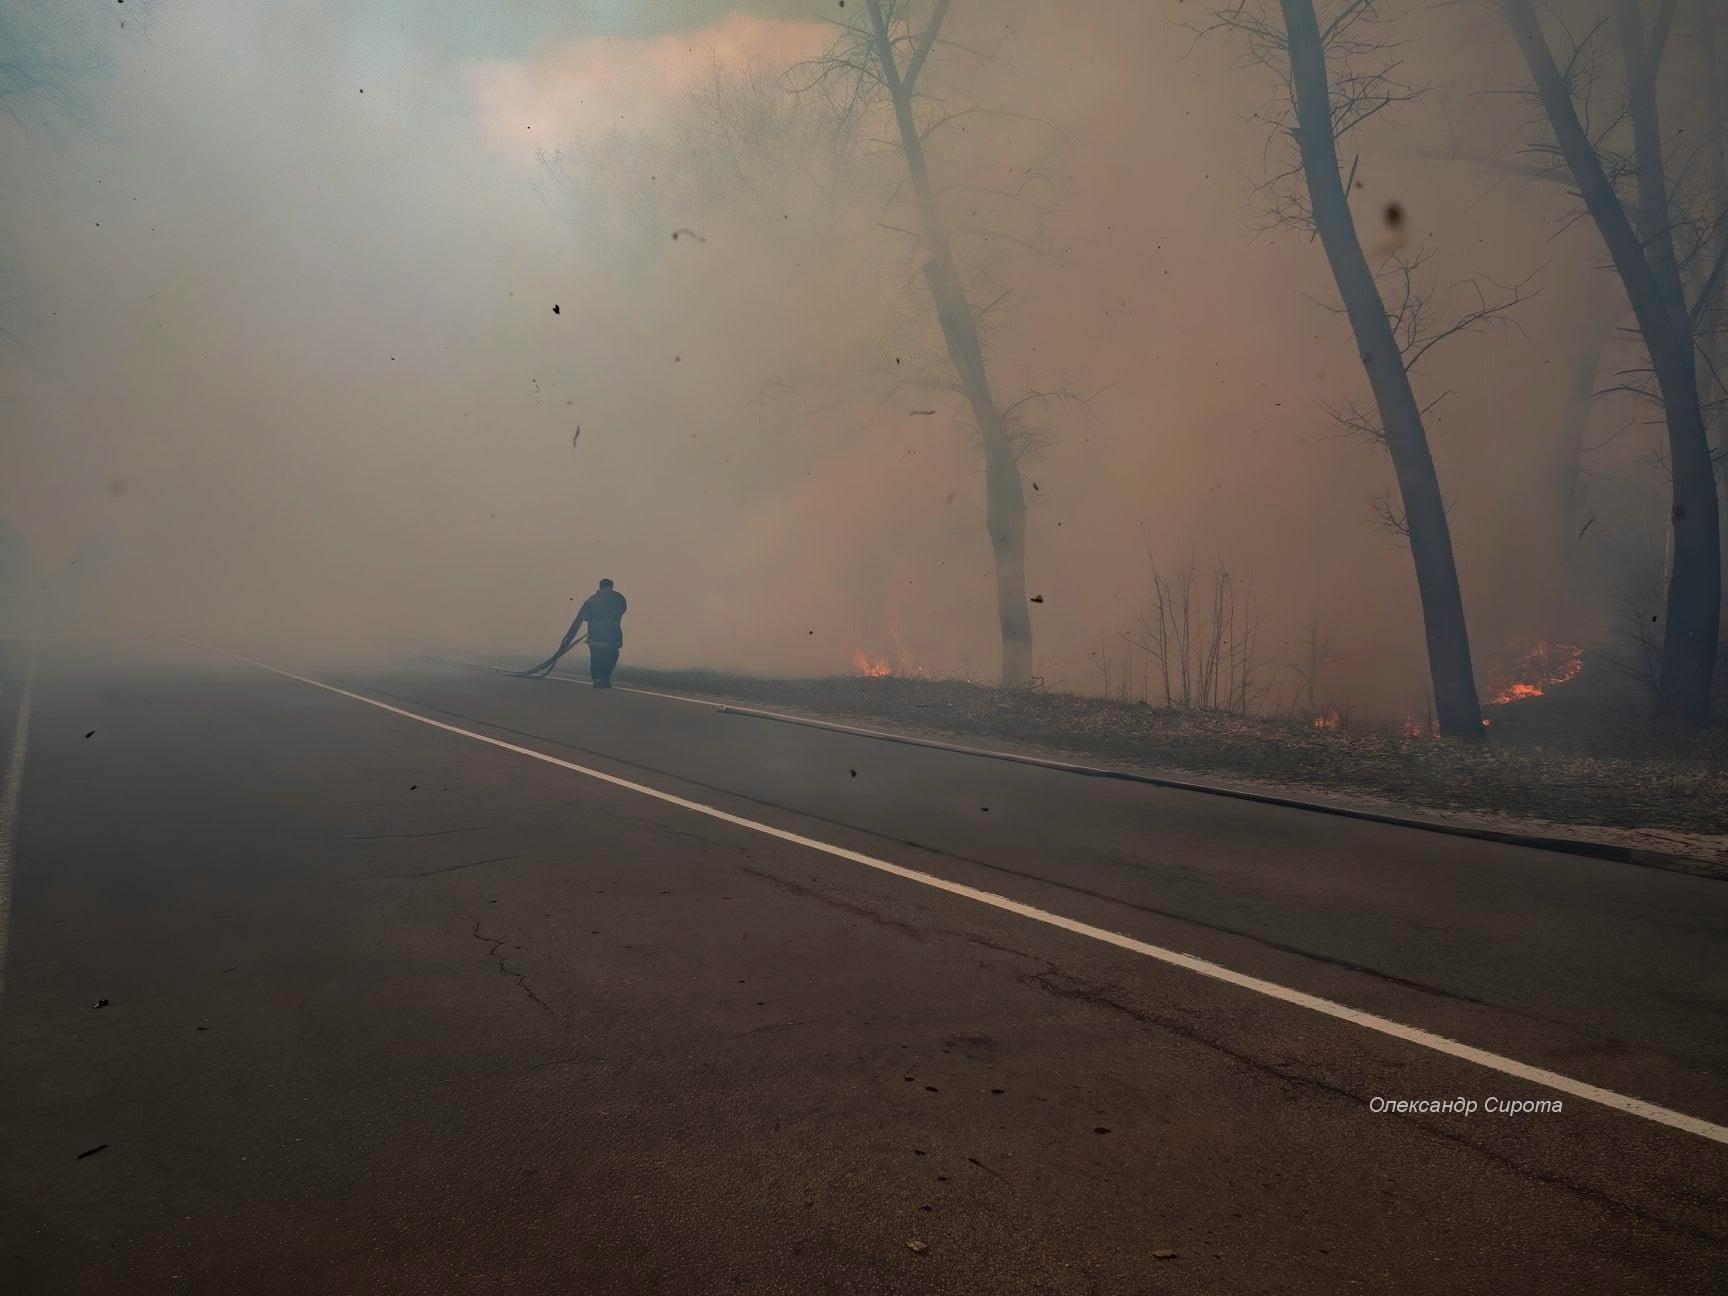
{"x": 850, "y": 906}
{"x": 940, "y": 852}
{"x": 521, "y": 978}
{"x": 451, "y": 868}
{"x": 1101, "y": 998}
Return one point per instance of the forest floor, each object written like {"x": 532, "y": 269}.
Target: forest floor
{"x": 1582, "y": 768}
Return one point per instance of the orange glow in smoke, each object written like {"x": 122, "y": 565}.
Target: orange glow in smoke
{"x": 868, "y": 666}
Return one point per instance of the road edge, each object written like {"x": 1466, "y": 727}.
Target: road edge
{"x": 1534, "y": 841}
{"x": 1581, "y": 847}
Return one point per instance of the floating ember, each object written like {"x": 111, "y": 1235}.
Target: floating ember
{"x": 1537, "y": 670}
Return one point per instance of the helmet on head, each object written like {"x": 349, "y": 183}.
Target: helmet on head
{"x": 605, "y": 582}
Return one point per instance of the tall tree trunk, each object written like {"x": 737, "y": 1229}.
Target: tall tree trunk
{"x": 1652, "y": 284}
{"x": 1004, "y": 492}
{"x": 1655, "y": 222}
{"x": 1710, "y": 305}
{"x": 1456, "y": 704}
{"x": 1582, "y": 367}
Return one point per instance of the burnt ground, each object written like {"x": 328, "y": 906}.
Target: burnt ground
{"x": 1582, "y": 765}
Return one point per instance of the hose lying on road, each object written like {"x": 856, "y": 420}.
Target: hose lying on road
{"x": 545, "y": 668}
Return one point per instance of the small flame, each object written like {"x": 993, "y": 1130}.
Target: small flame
{"x": 1328, "y": 720}
{"x": 1517, "y": 691}
{"x": 1537, "y": 670}
{"x": 868, "y": 666}
{"x": 1414, "y": 728}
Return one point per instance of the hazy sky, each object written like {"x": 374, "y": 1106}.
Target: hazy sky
{"x": 284, "y": 365}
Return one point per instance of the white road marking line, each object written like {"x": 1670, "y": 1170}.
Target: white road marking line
{"x": 816, "y": 722}
{"x": 10, "y": 796}
{"x": 579, "y": 682}
{"x": 575, "y": 680}
{"x": 1175, "y": 958}
{"x": 711, "y": 703}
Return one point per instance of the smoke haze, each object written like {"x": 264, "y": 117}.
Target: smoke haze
{"x": 284, "y": 366}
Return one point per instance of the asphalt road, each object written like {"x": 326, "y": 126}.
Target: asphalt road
{"x": 392, "y": 1008}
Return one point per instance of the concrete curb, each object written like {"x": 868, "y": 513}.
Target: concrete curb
{"x": 1534, "y": 841}
{"x": 1563, "y": 845}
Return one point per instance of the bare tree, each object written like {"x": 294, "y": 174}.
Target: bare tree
{"x": 1583, "y": 362}
{"x": 1316, "y": 657}
{"x": 883, "y": 52}
{"x": 1335, "y": 78}
{"x": 1638, "y": 591}
{"x": 1642, "y": 245}
{"x": 744, "y": 149}
{"x": 1200, "y": 645}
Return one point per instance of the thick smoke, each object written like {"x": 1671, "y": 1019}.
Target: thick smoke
{"x": 285, "y": 368}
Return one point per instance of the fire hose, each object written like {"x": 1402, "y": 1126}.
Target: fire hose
{"x": 545, "y": 667}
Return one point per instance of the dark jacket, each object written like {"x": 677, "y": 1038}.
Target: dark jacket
{"x": 604, "y": 613}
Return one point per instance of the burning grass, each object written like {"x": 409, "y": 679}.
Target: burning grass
{"x": 868, "y": 667}
{"x": 1550, "y": 762}
{"x": 1539, "y": 668}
